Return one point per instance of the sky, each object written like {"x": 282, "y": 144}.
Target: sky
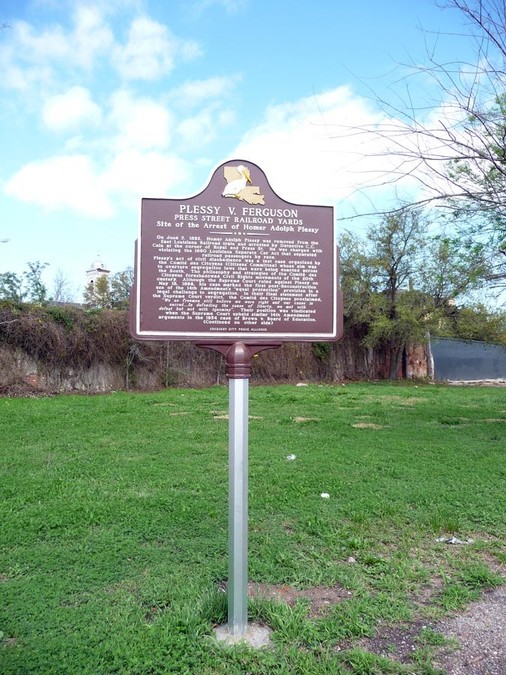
{"x": 106, "y": 102}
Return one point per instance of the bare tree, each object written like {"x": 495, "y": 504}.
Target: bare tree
{"x": 62, "y": 290}
{"x": 457, "y": 154}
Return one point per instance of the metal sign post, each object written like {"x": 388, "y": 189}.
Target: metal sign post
{"x": 238, "y": 361}
{"x": 238, "y": 507}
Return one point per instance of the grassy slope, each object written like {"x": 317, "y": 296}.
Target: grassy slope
{"x": 114, "y": 522}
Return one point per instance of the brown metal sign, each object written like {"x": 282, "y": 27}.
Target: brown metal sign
{"x": 236, "y": 263}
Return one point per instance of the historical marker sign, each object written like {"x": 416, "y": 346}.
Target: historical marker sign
{"x": 239, "y": 270}
{"x": 236, "y": 263}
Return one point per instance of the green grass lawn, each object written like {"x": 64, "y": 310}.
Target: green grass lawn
{"x": 114, "y": 524}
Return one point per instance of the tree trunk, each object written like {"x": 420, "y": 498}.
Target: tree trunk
{"x": 396, "y": 353}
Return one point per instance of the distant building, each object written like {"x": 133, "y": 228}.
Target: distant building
{"x": 97, "y": 270}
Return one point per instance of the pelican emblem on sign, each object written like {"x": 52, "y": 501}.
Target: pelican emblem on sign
{"x": 239, "y": 185}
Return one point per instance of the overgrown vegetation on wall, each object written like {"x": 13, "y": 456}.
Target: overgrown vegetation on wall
{"x": 63, "y": 348}
{"x": 65, "y": 336}
{"x": 55, "y": 348}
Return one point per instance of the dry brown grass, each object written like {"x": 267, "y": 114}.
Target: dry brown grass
{"x": 367, "y": 425}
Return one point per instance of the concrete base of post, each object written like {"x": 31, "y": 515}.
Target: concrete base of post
{"x": 257, "y": 637}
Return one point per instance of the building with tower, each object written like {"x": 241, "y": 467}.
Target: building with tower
{"x": 97, "y": 270}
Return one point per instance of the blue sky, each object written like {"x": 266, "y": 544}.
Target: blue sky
{"x": 104, "y": 103}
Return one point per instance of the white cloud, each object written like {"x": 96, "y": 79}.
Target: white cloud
{"x": 139, "y": 123}
{"x": 20, "y": 78}
{"x": 295, "y": 146}
{"x": 26, "y": 55}
{"x": 48, "y": 44}
{"x": 111, "y": 7}
{"x": 230, "y": 6}
{"x": 71, "y": 110}
{"x": 75, "y": 183}
{"x": 203, "y": 128}
{"x": 134, "y": 174}
{"x": 31, "y": 54}
{"x": 197, "y": 91}
{"x": 212, "y": 98}
{"x": 150, "y": 51}
{"x": 92, "y": 37}
{"x": 89, "y": 37}
{"x": 67, "y": 182}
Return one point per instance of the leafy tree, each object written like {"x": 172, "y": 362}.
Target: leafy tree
{"x": 395, "y": 245}
{"x": 11, "y": 287}
{"x": 414, "y": 315}
{"x": 120, "y": 286}
{"x": 399, "y": 282}
{"x": 36, "y": 290}
{"x": 451, "y": 267}
{"x": 476, "y": 322}
{"x": 98, "y": 294}
{"x": 357, "y": 277}
{"x": 110, "y": 292}
{"x": 25, "y": 287}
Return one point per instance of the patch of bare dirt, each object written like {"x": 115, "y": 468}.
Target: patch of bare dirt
{"x": 426, "y": 594}
{"x": 367, "y": 425}
{"x": 399, "y": 400}
{"x": 396, "y": 642}
{"x": 321, "y": 598}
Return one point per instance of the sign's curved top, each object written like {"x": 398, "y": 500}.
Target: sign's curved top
{"x": 236, "y": 263}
